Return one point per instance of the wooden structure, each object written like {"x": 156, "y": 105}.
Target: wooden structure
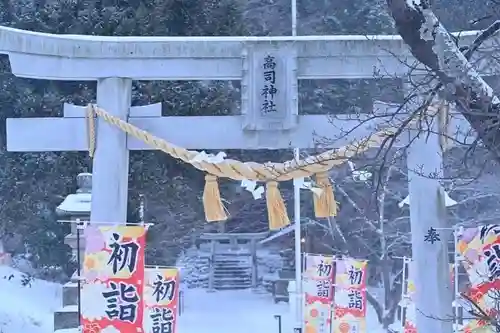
{"x": 232, "y": 254}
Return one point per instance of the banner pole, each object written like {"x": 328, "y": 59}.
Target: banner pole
{"x": 78, "y": 270}
{"x": 456, "y": 261}
{"x": 298, "y": 249}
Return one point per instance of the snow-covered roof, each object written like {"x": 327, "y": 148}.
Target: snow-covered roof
{"x": 78, "y": 203}
{"x": 284, "y": 231}
{"x": 241, "y": 235}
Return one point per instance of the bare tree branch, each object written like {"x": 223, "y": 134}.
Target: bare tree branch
{"x": 435, "y": 47}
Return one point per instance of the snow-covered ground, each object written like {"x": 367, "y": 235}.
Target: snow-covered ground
{"x": 30, "y": 309}
{"x": 27, "y": 308}
{"x": 222, "y": 312}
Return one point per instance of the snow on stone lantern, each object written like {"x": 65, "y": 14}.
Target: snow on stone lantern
{"x": 77, "y": 207}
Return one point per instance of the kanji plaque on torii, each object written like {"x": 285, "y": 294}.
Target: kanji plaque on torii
{"x": 269, "y": 87}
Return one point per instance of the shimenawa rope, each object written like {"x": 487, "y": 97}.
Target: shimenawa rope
{"x": 271, "y": 173}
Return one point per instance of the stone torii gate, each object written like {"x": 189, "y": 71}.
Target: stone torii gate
{"x": 271, "y": 122}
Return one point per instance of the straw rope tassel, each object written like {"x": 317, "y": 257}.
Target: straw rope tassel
{"x": 276, "y": 210}
{"x": 212, "y": 202}
{"x": 91, "y": 133}
{"x": 324, "y": 204}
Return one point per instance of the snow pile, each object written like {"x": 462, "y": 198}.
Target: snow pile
{"x": 27, "y": 305}
{"x": 268, "y": 262}
{"x": 268, "y": 265}
{"x": 194, "y": 268}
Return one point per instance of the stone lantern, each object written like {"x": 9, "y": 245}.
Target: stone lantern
{"x": 75, "y": 207}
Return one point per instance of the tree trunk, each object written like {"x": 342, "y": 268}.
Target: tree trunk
{"x": 432, "y": 44}
{"x": 385, "y": 315}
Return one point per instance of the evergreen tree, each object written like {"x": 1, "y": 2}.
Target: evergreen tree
{"x": 32, "y": 185}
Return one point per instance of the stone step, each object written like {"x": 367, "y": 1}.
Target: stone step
{"x": 65, "y": 318}
{"x": 233, "y": 287}
{"x": 234, "y": 278}
{"x": 231, "y": 268}
{"x": 231, "y": 262}
{"x": 232, "y": 258}
{"x": 70, "y": 294}
{"x": 224, "y": 267}
{"x": 235, "y": 268}
{"x": 236, "y": 284}
{"x": 68, "y": 330}
{"x": 228, "y": 285}
{"x": 231, "y": 276}
{"x": 235, "y": 264}
{"x": 223, "y": 264}
{"x": 242, "y": 266}
{"x": 231, "y": 273}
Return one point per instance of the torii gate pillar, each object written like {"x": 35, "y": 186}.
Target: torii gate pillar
{"x": 111, "y": 157}
{"x": 434, "y": 295}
